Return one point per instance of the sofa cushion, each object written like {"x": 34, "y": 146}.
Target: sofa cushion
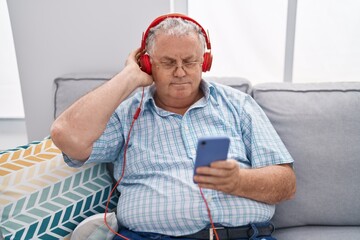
{"x": 318, "y": 233}
{"x": 42, "y": 198}
{"x": 241, "y": 84}
{"x": 70, "y": 87}
{"x": 320, "y": 126}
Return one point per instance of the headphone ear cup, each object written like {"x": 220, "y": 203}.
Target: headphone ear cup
{"x": 207, "y": 62}
{"x": 145, "y": 63}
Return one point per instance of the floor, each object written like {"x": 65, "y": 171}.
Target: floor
{"x": 12, "y": 133}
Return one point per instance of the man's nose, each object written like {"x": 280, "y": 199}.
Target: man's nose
{"x": 179, "y": 71}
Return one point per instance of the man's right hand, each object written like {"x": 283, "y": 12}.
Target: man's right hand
{"x": 132, "y": 65}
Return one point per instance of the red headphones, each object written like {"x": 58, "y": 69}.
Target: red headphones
{"x": 144, "y": 59}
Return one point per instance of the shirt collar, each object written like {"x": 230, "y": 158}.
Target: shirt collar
{"x": 208, "y": 89}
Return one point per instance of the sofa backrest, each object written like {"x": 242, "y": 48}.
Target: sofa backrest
{"x": 320, "y": 126}
{"x": 318, "y": 123}
{"x": 70, "y": 87}
{"x": 241, "y": 84}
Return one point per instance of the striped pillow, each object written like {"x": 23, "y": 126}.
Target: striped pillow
{"x": 42, "y": 198}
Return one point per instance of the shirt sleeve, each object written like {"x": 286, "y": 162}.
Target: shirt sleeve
{"x": 262, "y": 143}
{"x": 106, "y": 148}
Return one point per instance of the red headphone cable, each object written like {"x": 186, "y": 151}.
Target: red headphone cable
{"x": 135, "y": 117}
{"x": 209, "y": 213}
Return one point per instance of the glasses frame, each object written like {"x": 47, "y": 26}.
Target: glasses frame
{"x": 172, "y": 66}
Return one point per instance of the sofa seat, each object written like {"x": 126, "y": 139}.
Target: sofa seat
{"x": 319, "y": 232}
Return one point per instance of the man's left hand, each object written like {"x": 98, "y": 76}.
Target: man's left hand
{"x": 221, "y": 175}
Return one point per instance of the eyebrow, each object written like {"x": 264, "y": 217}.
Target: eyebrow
{"x": 169, "y": 59}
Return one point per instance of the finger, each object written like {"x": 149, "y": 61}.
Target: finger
{"x": 216, "y": 172}
{"x": 208, "y": 186}
{"x": 138, "y": 53}
{"x": 220, "y": 184}
{"x": 209, "y": 171}
{"x": 131, "y": 58}
{"x": 214, "y": 180}
{"x": 225, "y": 164}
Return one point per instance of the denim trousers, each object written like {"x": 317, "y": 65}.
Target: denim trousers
{"x": 147, "y": 235}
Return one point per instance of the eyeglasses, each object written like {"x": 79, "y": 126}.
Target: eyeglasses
{"x": 172, "y": 66}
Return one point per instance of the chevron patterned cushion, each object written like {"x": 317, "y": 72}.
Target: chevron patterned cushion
{"x": 42, "y": 198}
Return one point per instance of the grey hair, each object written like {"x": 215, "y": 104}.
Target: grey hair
{"x": 175, "y": 27}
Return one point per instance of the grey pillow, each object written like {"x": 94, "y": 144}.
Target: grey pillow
{"x": 239, "y": 83}
{"x": 70, "y": 87}
{"x": 320, "y": 126}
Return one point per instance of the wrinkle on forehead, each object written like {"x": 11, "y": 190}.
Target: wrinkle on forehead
{"x": 184, "y": 47}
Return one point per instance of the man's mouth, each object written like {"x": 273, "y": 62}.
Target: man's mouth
{"x": 179, "y": 83}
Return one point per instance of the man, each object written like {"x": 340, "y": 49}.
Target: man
{"x": 159, "y": 198}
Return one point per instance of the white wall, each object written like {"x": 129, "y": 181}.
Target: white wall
{"x": 11, "y": 104}
{"x": 54, "y": 37}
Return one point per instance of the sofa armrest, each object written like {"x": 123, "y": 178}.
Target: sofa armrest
{"x": 42, "y": 198}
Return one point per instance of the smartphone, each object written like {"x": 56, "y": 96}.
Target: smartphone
{"x": 211, "y": 149}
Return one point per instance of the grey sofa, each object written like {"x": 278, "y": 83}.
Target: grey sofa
{"x": 320, "y": 125}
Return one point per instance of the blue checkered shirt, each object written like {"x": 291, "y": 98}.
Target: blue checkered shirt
{"x": 158, "y": 193}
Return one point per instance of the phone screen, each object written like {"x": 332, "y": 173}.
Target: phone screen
{"x": 210, "y": 149}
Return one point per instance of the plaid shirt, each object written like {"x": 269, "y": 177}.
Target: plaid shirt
{"x": 158, "y": 193}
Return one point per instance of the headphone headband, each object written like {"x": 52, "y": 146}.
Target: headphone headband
{"x": 144, "y": 59}
{"x": 173, "y": 15}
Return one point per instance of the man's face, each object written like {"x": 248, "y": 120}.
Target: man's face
{"x": 176, "y": 66}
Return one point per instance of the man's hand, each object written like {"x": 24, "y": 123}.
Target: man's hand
{"x": 132, "y": 65}
{"x": 221, "y": 175}
{"x": 270, "y": 184}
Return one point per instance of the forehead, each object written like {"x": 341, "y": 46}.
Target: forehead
{"x": 172, "y": 46}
